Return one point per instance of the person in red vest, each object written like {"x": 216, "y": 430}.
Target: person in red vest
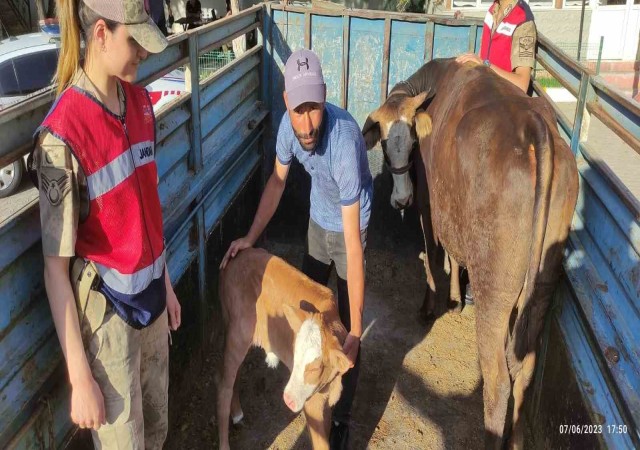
{"x": 104, "y": 253}
{"x": 508, "y": 42}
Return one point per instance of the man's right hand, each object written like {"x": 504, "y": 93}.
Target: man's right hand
{"x": 235, "y": 247}
{"x": 87, "y": 404}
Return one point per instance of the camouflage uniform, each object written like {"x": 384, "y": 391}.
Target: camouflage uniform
{"x": 131, "y": 366}
{"x": 524, "y": 38}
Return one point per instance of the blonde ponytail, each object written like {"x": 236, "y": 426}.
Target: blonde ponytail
{"x": 70, "y": 32}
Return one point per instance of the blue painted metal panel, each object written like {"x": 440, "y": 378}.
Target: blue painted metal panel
{"x": 328, "y": 47}
{"x": 450, "y": 41}
{"x": 406, "y": 52}
{"x": 228, "y": 76}
{"x": 217, "y": 110}
{"x": 592, "y": 383}
{"x": 27, "y": 227}
{"x": 17, "y": 286}
{"x": 366, "y": 41}
{"x": 595, "y": 203}
{"x": 287, "y": 35}
{"x": 621, "y": 113}
{"x": 173, "y": 149}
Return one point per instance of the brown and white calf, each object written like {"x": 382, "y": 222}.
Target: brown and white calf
{"x": 270, "y": 304}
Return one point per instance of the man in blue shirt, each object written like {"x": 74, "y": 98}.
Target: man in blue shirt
{"x": 328, "y": 142}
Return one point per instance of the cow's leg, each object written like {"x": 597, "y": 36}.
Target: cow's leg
{"x": 491, "y": 330}
{"x": 427, "y": 310}
{"x": 454, "y": 287}
{"x": 522, "y": 381}
{"x": 236, "y": 348}
{"x": 318, "y": 415}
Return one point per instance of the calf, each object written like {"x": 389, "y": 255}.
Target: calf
{"x": 268, "y": 303}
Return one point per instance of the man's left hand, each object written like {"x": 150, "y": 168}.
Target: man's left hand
{"x": 351, "y": 347}
{"x": 467, "y": 57}
{"x": 174, "y": 309}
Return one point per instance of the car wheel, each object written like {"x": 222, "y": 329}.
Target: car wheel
{"x": 10, "y": 178}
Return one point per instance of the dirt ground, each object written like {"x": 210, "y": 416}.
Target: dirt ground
{"x": 419, "y": 385}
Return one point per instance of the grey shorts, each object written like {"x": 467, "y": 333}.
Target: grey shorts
{"x": 329, "y": 246}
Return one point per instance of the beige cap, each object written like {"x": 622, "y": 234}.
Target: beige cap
{"x": 132, "y": 15}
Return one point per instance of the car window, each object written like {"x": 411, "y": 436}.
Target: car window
{"x": 35, "y": 71}
{"x": 25, "y": 74}
{"x": 8, "y": 81}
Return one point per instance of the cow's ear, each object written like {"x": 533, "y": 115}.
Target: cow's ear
{"x": 423, "y": 124}
{"x": 339, "y": 361}
{"x": 419, "y": 101}
{"x": 294, "y": 316}
{"x": 371, "y": 131}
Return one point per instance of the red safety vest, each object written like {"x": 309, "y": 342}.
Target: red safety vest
{"x": 123, "y": 231}
{"x": 496, "y": 46}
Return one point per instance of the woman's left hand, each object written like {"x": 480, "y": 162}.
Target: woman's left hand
{"x": 466, "y": 57}
{"x": 174, "y": 310}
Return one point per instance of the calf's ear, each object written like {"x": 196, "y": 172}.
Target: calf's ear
{"x": 294, "y": 317}
{"x": 371, "y": 130}
{"x": 339, "y": 361}
{"x": 423, "y": 124}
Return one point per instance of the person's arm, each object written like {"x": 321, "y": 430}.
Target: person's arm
{"x": 173, "y": 305}
{"x": 59, "y": 215}
{"x": 266, "y": 209}
{"x": 520, "y": 77}
{"x": 355, "y": 277}
{"x": 87, "y": 402}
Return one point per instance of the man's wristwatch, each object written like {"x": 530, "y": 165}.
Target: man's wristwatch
{"x": 486, "y": 63}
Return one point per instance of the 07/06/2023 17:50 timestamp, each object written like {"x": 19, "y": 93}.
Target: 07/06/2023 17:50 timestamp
{"x": 593, "y": 429}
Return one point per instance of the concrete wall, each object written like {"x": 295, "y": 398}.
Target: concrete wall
{"x": 561, "y": 26}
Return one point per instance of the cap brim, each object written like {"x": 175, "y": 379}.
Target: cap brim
{"x": 149, "y": 36}
{"x": 315, "y": 93}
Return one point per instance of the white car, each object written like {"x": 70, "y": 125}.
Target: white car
{"x": 27, "y": 66}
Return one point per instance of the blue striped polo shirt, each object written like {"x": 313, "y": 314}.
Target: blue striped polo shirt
{"x": 338, "y": 166}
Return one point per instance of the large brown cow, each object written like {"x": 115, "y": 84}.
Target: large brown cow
{"x": 496, "y": 186}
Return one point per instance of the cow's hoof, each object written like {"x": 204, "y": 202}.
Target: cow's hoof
{"x": 455, "y": 307}
{"x": 237, "y": 420}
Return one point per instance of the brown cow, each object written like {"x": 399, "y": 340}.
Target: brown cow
{"x": 269, "y": 304}
{"x": 496, "y": 187}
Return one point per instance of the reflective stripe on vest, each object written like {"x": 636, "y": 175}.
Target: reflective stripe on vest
{"x": 132, "y": 283}
{"x": 119, "y": 169}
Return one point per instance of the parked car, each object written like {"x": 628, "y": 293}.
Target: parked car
{"x": 27, "y": 66}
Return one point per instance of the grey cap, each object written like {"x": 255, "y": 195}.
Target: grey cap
{"x": 132, "y": 15}
{"x": 303, "y": 80}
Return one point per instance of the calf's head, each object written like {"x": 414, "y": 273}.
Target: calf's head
{"x": 394, "y": 125}
{"x": 318, "y": 359}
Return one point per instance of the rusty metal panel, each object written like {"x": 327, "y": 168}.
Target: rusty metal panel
{"x": 366, "y": 41}
{"x": 450, "y": 41}
{"x": 407, "y": 50}
{"x": 328, "y": 47}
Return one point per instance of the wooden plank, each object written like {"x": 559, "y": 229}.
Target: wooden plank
{"x": 344, "y": 82}
{"x": 384, "y": 80}
{"x": 376, "y": 15}
{"x": 429, "y": 34}
{"x": 307, "y": 30}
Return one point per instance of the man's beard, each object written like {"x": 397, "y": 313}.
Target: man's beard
{"x": 313, "y": 134}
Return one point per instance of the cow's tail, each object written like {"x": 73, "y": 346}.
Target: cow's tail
{"x": 539, "y": 136}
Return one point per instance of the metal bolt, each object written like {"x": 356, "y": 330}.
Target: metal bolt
{"x": 612, "y": 354}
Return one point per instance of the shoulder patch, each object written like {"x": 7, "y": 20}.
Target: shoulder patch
{"x": 55, "y": 184}
{"x": 525, "y": 47}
